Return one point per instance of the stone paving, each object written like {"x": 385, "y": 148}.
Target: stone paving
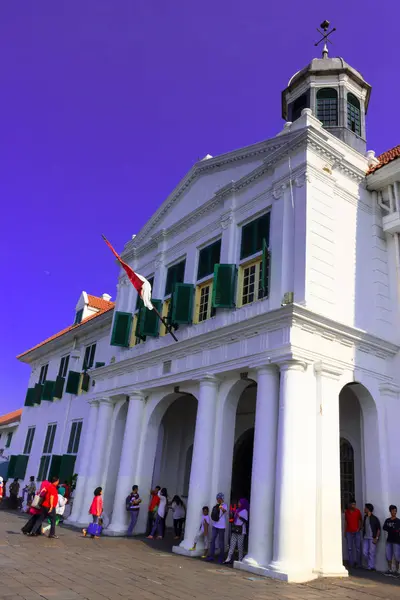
{"x": 77, "y": 568}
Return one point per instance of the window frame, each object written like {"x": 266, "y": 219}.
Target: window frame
{"x": 324, "y": 106}
{"x": 78, "y": 316}
{"x": 208, "y": 249}
{"x": 48, "y": 443}
{"x": 47, "y": 459}
{"x": 256, "y": 261}
{"x": 75, "y": 435}
{"x": 63, "y": 367}
{"x": 210, "y": 311}
{"x": 164, "y": 314}
{"x": 252, "y": 223}
{"x": 352, "y": 107}
{"x": 43, "y": 373}
{"x": 90, "y": 353}
{"x": 30, "y": 435}
{"x": 10, "y": 435}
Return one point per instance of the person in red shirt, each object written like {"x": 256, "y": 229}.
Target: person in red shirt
{"x": 354, "y": 523}
{"x": 49, "y": 492}
{"x": 152, "y": 511}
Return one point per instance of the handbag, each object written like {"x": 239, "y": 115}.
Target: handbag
{"x": 94, "y": 529}
{"x": 37, "y": 501}
{"x": 238, "y": 529}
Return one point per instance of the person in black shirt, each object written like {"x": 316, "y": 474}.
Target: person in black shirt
{"x": 392, "y": 526}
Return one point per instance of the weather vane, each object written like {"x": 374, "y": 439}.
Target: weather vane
{"x": 325, "y": 37}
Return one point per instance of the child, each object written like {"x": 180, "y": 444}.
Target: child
{"x": 96, "y": 509}
{"x": 239, "y": 529}
{"x": 203, "y": 531}
{"x": 179, "y": 513}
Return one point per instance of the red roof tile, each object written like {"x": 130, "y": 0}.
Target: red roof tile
{"x": 11, "y": 417}
{"x": 100, "y": 303}
{"x": 110, "y": 306}
{"x": 385, "y": 158}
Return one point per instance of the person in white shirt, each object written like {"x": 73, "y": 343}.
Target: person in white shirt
{"x": 203, "y": 532}
{"x": 179, "y": 514}
{"x": 239, "y": 529}
{"x": 159, "y": 523}
{"x": 218, "y": 518}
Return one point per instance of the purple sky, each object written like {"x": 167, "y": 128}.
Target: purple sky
{"x": 104, "y": 107}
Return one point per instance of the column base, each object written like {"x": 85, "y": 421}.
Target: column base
{"x": 185, "y": 552}
{"x": 289, "y": 576}
{"x": 340, "y": 571}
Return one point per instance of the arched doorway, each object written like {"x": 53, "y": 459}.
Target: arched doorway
{"x": 242, "y": 466}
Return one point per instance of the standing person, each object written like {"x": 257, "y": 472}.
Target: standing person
{"x": 14, "y": 494}
{"x": 218, "y": 518}
{"x": 204, "y": 531}
{"x": 96, "y": 508}
{"x": 392, "y": 526}
{"x": 353, "y": 521}
{"x": 179, "y": 514}
{"x": 48, "y": 510}
{"x": 133, "y": 502}
{"x": 239, "y": 529}
{"x": 60, "y": 507}
{"x": 67, "y": 488}
{"x": 31, "y": 490}
{"x": 1, "y": 489}
{"x": 371, "y": 533}
{"x": 159, "y": 523}
{"x": 152, "y": 510}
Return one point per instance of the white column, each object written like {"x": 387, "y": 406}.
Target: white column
{"x": 84, "y": 466}
{"x": 294, "y": 529}
{"x": 264, "y": 468}
{"x": 97, "y": 456}
{"x": 201, "y": 471}
{"x": 329, "y": 556}
{"x": 128, "y": 464}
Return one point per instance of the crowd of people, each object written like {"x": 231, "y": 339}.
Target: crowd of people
{"x": 370, "y": 529}
{"x": 46, "y": 507}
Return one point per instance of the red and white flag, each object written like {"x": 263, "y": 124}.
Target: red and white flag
{"x": 140, "y": 283}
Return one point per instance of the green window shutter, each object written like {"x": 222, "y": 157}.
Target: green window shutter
{"x": 20, "y": 466}
{"x": 99, "y": 364}
{"x": 11, "y": 467}
{"x": 59, "y": 387}
{"x": 150, "y": 323}
{"x": 121, "y": 332}
{"x": 48, "y": 390}
{"x": 29, "y": 398}
{"x": 73, "y": 381}
{"x": 67, "y": 466}
{"x": 85, "y": 382}
{"x": 224, "y": 288}
{"x": 140, "y": 322}
{"x": 55, "y": 466}
{"x": 265, "y": 269}
{"x": 38, "y": 393}
{"x": 182, "y": 303}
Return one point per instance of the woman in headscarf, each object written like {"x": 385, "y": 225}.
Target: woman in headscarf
{"x": 239, "y": 529}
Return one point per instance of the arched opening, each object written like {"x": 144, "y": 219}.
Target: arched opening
{"x": 244, "y": 441}
{"x": 327, "y": 107}
{"x": 347, "y": 480}
{"x": 353, "y": 113}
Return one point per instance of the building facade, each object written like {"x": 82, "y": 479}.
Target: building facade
{"x": 9, "y": 424}
{"x": 277, "y": 265}
{"x": 54, "y": 418}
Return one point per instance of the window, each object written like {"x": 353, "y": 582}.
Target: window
{"x": 9, "y": 438}
{"x": 175, "y": 274}
{"x": 253, "y": 235}
{"x": 298, "y": 105}
{"x": 78, "y": 316}
{"x": 251, "y": 287}
{"x": 165, "y": 314}
{"x": 64, "y": 363}
{"x": 347, "y": 481}
{"x": 43, "y": 468}
{"x": 353, "y": 114}
{"x": 327, "y": 107}
{"x": 208, "y": 257}
{"x": 74, "y": 437}
{"x": 43, "y": 373}
{"x": 29, "y": 440}
{"x": 49, "y": 440}
{"x": 88, "y": 361}
{"x": 138, "y": 299}
{"x": 204, "y": 308}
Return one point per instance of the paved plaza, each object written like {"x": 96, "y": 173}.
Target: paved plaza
{"x": 77, "y": 568}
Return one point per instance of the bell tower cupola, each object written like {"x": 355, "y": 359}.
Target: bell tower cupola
{"x": 337, "y": 94}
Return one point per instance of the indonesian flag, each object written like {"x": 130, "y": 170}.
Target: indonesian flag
{"x": 140, "y": 283}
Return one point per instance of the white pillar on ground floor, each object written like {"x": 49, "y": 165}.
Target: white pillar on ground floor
{"x": 329, "y": 555}
{"x": 294, "y": 530}
{"x": 97, "y": 456}
{"x": 201, "y": 470}
{"x": 264, "y": 468}
{"x": 84, "y": 466}
{"x": 128, "y": 464}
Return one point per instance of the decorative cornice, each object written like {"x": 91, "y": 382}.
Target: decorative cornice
{"x": 389, "y": 389}
{"x": 327, "y": 370}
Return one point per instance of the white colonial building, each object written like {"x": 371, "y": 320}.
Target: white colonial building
{"x": 54, "y": 419}
{"x": 278, "y": 267}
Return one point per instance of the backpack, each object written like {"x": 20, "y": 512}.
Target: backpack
{"x": 128, "y": 501}
{"x": 215, "y": 513}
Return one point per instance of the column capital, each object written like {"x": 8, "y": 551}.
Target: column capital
{"x": 106, "y": 402}
{"x": 209, "y": 379}
{"x": 326, "y": 370}
{"x": 137, "y": 395}
{"x": 266, "y": 368}
{"x": 292, "y": 365}
{"x": 95, "y": 402}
